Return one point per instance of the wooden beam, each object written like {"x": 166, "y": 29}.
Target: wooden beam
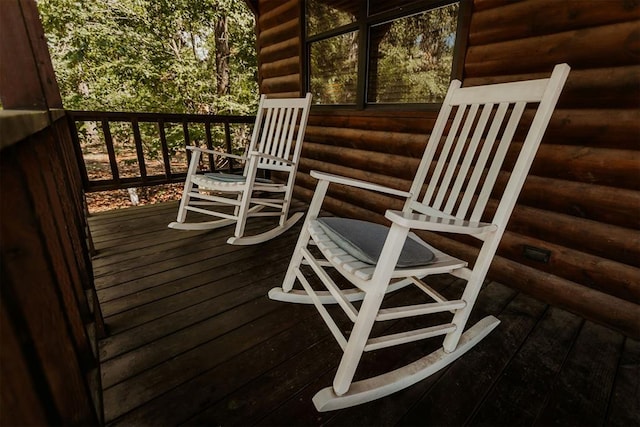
{"x": 27, "y": 79}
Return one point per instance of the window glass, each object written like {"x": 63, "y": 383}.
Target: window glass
{"x": 410, "y": 58}
{"x": 405, "y": 53}
{"x": 334, "y": 69}
{"x": 325, "y": 15}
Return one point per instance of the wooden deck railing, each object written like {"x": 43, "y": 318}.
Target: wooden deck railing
{"x": 101, "y": 122}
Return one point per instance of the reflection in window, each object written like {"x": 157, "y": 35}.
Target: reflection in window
{"x": 410, "y": 58}
{"x": 323, "y": 15}
{"x": 334, "y": 69}
{"x": 362, "y": 52}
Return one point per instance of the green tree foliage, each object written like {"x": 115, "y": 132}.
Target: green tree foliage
{"x": 151, "y": 55}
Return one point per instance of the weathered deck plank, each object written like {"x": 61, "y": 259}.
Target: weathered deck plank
{"x": 195, "y": 340}
{"x": 515, "y": 398}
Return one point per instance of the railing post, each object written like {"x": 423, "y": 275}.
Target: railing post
{"x": 73, "y": 130}
{"x": 212, "y": 160}
{"x": 139, "y": 151}
{"x": 110, "y": 150}
{"x": 227, "y": 139}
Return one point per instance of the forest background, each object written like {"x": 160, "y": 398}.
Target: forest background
{"x": 178, "y": 56}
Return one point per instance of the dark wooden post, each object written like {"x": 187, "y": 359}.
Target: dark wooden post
{"x": 49, "y": 315}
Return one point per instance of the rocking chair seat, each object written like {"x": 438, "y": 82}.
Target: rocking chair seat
{"x": 360, "y": 272}
{"x": 214, "y": 181}
{"x": 365, "y": 240}
{"x": 228, "y": 177}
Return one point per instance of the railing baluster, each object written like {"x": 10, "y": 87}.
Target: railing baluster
{"x": 139, "y": 151}
{"x": 165, "y": 149}
{"x": 212, "y": 160}
{"x": 187, "y": 139}
{"x": 108, "y": 140}
{"x": 227, "y": 139}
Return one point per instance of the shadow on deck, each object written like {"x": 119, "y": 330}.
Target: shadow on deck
{"x": 194, "y": 340}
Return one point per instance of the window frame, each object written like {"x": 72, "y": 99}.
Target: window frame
{"x": 363, "y": 24}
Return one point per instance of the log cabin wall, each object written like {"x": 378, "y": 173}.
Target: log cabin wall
{"x": 279, "y": 39}
{"x": 581, "y": 201}
{"x": 50, "y": 320}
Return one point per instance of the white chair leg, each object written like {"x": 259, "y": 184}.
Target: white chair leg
{"x": 357, "y": 340}
{"x": 188, "y": 186}
{"x": 303, "y": 239}
{"x": 369, "y": 308}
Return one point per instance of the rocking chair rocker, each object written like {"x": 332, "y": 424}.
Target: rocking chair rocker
{"x": 276, "y": 143}
{"x": 463, "y": 157}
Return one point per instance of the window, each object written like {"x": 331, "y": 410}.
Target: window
{"x": 380, "y": 52}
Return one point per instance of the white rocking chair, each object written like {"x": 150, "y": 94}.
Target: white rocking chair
{"x": 276, "y": 143}
{"x": 463, "y": 158}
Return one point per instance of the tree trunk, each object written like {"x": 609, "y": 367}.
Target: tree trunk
{"x": 222, "y": 57}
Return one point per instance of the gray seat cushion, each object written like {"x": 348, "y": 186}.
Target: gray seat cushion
{"x": 364, "y": 241}
{"x": 227, "y": 177}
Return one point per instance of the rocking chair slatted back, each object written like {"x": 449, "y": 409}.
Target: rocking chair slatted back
{"x": 470, "y": 141}
{"x": 277, "y": 133}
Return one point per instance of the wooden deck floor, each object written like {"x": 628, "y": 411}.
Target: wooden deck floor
{"x": 194, "y": 340}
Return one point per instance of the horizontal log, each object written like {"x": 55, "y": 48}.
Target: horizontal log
{"x": 614, "y": 87}
{"x": 611, "y": 277}
{"x": 405, "y": 144}
{"x": 389, "y": 164}
{"x": 601, "y": 166}
{"x": 279, "y": 33}
{"x": 615, "y": 206}
{"x": 307, "y": 165}
{"x": 606, "y": 241}
{"x": 285, "y": 49}
{"x": 281, "y": 67}
{"x": 541, "y": 17}
{"x": 369, "y": 200}
{"x": 589, "y": 303}
{"x": 281, "y": 84}
{"x": 606, "y": 46}
{"x": 272, "y": 15}
{"x": 605, "y": 128}
{"x": 397, "y": 122}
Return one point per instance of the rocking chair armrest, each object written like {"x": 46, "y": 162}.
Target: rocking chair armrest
{"x": 435, "y": 223}
{"x": 323, "y": 176}
{"x": 270, "y": 157}
{"x": 218, "y": 153}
